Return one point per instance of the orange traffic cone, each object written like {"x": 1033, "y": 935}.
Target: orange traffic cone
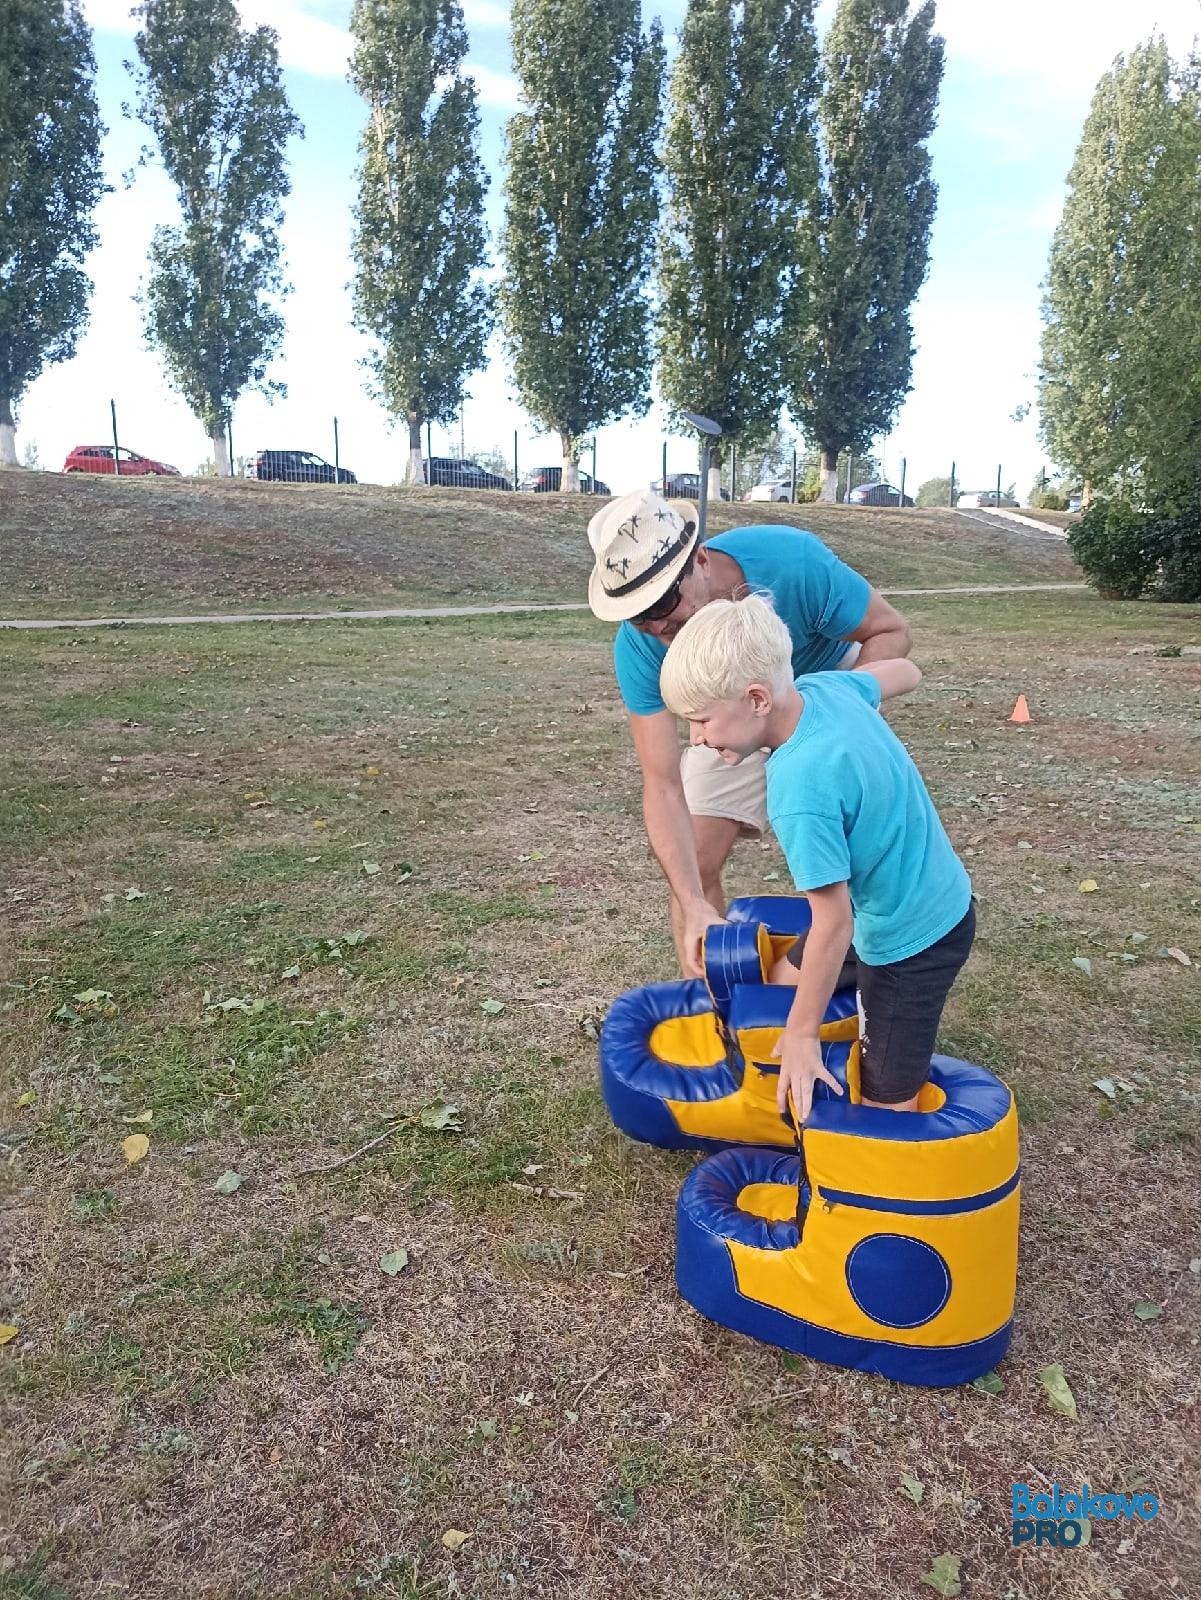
{"x": 1021, "y": 711}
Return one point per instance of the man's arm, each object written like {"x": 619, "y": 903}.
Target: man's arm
{"x": 799, "y": 1048}
{"x": 669, "y": 824}
{"x": 883, "y": 635}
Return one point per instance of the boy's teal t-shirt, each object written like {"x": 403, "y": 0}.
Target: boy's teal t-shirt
{"x": 848, "y": 805}
{"x": 820, "y": 598}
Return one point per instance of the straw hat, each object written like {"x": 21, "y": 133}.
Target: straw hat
{"x": 641, "y": 543}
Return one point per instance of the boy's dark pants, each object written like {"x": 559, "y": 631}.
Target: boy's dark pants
{"x": 900, "y": 1008}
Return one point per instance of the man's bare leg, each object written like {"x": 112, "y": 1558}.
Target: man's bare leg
{"x": 715, "y": 837}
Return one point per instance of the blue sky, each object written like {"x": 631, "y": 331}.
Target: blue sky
{"x": 1016, "y": 90}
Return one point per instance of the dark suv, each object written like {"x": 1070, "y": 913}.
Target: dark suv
{"x": 682, "y": 486}
{"x": 451, "y": 473}
{"x": 547, "y": 480}
{"x": 295, "y": 466}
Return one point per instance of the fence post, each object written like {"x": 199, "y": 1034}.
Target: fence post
{"x": 850, "y": 472}
{"x": 594, "y": 463}
{"x": 792, "y": 498}
{"x": 514, "y": 458}
{"x": 337, "y": 463}
{"x": 429, "y": 439}
{"x": 733, "y": 472}
{"x": 663, "y": 480}
{"x": 229, "y": 440}
{"x": 951, "y": 490}
{"x": 904, "y": 464}
{"x": 998, "y": 487}
{"x": 112, "y": 406}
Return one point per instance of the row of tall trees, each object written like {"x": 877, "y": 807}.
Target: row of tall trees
{"x": 766, "y": 251}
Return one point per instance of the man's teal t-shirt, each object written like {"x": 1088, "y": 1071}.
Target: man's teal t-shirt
{"x": 848, "y": 805}
{"x": 820, "y": 598}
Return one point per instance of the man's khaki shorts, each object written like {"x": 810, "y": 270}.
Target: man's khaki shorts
{"x": 739, "y": 793}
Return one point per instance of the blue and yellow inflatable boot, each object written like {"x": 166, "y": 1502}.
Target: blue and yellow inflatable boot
{"x": 882, "y": 1241}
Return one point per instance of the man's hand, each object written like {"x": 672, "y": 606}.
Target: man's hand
{"x": 698, "y": 915}
{"x": 801, "y": 1066}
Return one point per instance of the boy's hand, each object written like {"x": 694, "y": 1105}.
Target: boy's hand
{"x": 801, "y": 1066}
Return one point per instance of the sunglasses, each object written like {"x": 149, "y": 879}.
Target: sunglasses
{"x": 667, "y": 602}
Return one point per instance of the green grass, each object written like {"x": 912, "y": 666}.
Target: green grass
{"x": 235, "y": 1373}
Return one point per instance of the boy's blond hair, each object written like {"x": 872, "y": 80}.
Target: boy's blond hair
{"x": 721, "y": 649}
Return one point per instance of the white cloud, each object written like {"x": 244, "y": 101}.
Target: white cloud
{"x": 497, "y": 89}
{"x": 307, "y": 43}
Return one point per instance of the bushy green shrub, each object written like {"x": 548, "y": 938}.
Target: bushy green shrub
{"x": 1127, "y": 552}
{"x": 1049, "y": 500}
{"x": 1113, "y": 546}
{"x": 1176, "y": 540}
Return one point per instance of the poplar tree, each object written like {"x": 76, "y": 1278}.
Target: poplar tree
{"x": 741, "y": 166}
{"x": 50, "y": 182}
{"x": 213, "y": 97}
{"x": 419, "y": 240}
{"x": 581, "y": 205}
{"x": 1120, "y": 375}
{"x": 864, "y": 246}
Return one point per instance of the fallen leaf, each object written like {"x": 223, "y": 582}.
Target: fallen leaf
{"x": 913, "y": 1487}
{"x": 1107, "y": 1087}
{"x": 1058, "y": 1392}
{"x": 989, "y": 1383}
{"x": 134, "y": 894}
{"x": 395, "y": 1261}
{"x": 454, "y": 1539}
{"x": 1024, "y": 844}
{"x": 943, "y": 1576}
{"x": 7, "y": 1332}
{"x": 1084, "y": 964}
{"x": 1089, "y": 886}
{"x": 1177, "y": 955}
{"x": 228, "y": 1183}
{"x": 441, "y": 1117}
{"x": 92, "y": 997}
{"x": 492, "y": 1008}
{"x": 534, "y": 1168}
{"x": 370, "y": 868}
{"x": 142, "y": 1116}
{"x": 136, "y": 1146}
{"x": 318, "y": 822}
{"x": 291, "y": 972}
{"x": 1125, "y": 1546}
{"x": 1147, "y": 1311}
{"x": 26, "y": 1099}
{"x": 254, "y": 795}
{"x": 1138, "y": 938}
{"x": 373, "y": 772}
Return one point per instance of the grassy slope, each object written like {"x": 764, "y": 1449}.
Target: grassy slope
{"x": 226, "y": 1397}
{"x": 95, "y": 546}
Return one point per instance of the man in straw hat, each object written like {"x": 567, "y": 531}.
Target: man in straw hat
{"x": 650, "y": 575}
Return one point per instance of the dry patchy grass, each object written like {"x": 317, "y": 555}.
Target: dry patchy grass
{"x": 224, "y": 1396}
{"x": 82, "y": 546}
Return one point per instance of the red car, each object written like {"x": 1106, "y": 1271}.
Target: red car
{"x": 99, "y": 458}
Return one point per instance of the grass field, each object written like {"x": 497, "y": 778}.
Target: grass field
{"x": 94, "y": 546}
{"x": 274, "y": 893}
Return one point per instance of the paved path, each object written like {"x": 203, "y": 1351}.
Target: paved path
{"x": 39, "y": 623}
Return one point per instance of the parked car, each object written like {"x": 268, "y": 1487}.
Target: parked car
{"x": 295, "y": 466}
{"x": 449, "y": 472}
{"x": 878, "y": 494}
{"x": 546, "y": 480}
{"x": 773, "y": 491}
{"x": 985, "y": 498}
{"x": 1075, "y": 501}
{"x": 682, "y": 486}
{"x": 99, "y": 458}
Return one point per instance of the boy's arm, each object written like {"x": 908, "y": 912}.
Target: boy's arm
{"x": 825, "y": 951}
{"x": 894, "y": 677}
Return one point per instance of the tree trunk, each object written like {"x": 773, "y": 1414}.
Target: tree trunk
{"x": 220, "y": 446}
{"x": 570, "y": 481}
{"x": 1086, "y": 493}
{"x": 415, "y": 472}
{"x": 8, "y": 434}
{"x": 714, "y": 480}
{"x": 829, "y": 474}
